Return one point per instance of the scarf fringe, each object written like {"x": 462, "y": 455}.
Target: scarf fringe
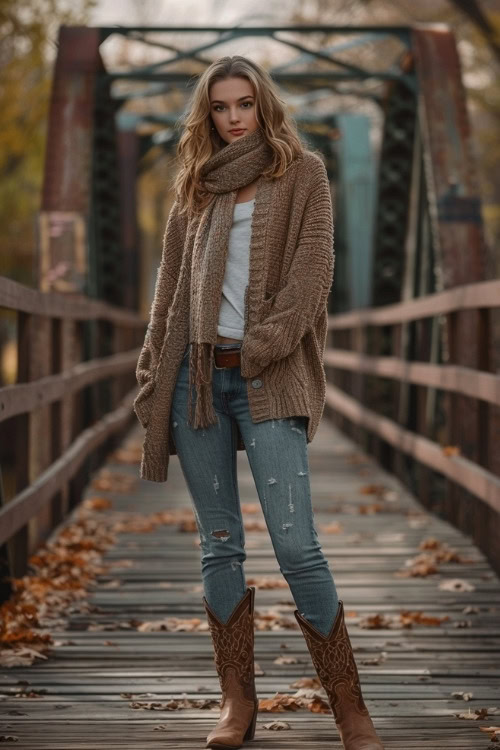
{"x": 200, "y": 372}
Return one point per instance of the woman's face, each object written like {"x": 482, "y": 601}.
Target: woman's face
{"x": 232, "y": 107}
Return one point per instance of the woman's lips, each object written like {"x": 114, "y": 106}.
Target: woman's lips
{"x": 236, "y": 131}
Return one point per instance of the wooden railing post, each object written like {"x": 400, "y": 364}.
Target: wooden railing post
{"x": 402, "y": 408}
{"x": 17, "y": 546}
{"x": 65, "y": 356}
{"x": 5, "y": 562}
{"x": 484, "y": 345}
{"x": 39, "y": 365}
{"x": 359, "y": 345}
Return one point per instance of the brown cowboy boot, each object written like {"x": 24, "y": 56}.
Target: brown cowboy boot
{"x": 334, "y": 662}
{"x": 233, "y": 647}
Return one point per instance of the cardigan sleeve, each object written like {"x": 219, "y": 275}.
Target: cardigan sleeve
{"x": 296, "y": 308}
{"x": 166, "y": 282}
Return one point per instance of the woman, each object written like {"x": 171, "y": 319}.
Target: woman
{"x": 240, "y": 312}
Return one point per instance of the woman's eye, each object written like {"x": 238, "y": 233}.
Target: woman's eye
{"x": 220, "y": 107}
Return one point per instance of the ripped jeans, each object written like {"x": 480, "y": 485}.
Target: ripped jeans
{"x": 277, "y": 453}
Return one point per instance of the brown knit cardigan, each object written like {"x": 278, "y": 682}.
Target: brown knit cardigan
{"x": 290, "y": 275}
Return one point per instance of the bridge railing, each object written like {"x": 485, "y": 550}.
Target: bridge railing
{"x": 65, "y": 409}
{"x": 76, "y": 384}
{"x": 434, "y": 423}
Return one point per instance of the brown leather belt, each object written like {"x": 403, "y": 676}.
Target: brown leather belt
{"x": 227, "y": 357}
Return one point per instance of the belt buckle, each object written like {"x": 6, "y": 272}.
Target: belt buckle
{"x": 224, "y": 367}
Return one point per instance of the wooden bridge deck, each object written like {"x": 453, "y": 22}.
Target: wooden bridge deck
{"x": 93, "y": 677}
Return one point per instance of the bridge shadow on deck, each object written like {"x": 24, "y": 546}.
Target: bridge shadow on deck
{"x": 102, "y": 664}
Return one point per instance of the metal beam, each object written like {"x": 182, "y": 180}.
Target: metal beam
{"x": 185, "y": 78}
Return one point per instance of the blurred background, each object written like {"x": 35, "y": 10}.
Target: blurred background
{"x": 28, "y": 49}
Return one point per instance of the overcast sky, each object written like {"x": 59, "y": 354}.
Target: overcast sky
{"x": 188, "y": 12}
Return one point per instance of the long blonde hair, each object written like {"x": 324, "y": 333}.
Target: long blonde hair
{"x": 199, "y": 142}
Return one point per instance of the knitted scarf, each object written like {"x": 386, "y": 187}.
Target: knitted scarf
{"x": 235, "y": 165}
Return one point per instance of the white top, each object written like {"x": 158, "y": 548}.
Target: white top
{"x": 231, "y": 312}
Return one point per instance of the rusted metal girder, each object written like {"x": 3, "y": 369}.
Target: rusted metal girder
{"x": 67, "y": 186}
{"x": 80, "y": 242}
{"x": 452, "y": 183}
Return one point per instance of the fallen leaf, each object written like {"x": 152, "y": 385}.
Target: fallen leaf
{"x": 427, "y": 562}
{"x": 470, "y": 610}
{"x": 114, "y": 583}
{"x": 258, "y": 669}
{"x": 478, "y": 713}
{"x": 373, "y": 622}
{"x": 19, "y": 657}
{"x": 408, "y": 618}
{"x": 32, "y": 693}
{"x": 456, "y": 584}
{"x": 405, "y": 619}
{"x": 255, "y": 526}
{"x": 285, "y": 660}
{"x": 491, "y": 730}
{"x": 97, "y": 503}
{"x": 372, "y": 489}
{"x": 276, "y": 725}
{"x": 374, "y": 660}
{"x": 306, "y": 682}
{"x": 391, "y": 496}
{"x": 419, "y": 567}
{"x": 113, "y": 481}
{"x": 274, "y": 621}
{"x": 175, "y": 705}
{"x": 331, "y": 528}
{"x": 173, "y": 624}
{"x": 371, "y": 509}
{"x": 278, "y": 703}
{"x": 250, "y": 508}
{"x": 319, "y": 706}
